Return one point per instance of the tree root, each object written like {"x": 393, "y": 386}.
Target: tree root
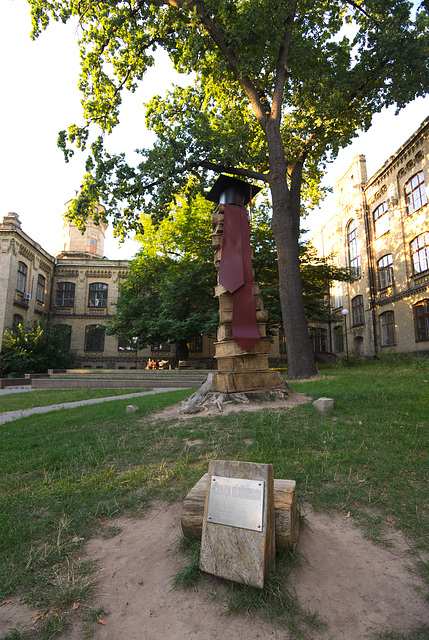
{"x": 207, "y": 397}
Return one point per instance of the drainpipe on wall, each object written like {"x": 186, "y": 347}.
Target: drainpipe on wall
{"x": 371, "y": 271}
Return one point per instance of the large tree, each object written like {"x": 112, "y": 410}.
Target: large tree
{"x": 35, "y": 348}
{"x": 168, "y": 294}
{"x": 279, "y": 87}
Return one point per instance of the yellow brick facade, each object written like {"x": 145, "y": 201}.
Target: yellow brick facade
{"x": 28, "y": 298}
{"x": 81, "y": 290}
{"x": 381, "y": 230}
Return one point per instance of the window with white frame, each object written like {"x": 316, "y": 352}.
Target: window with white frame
{"x": 353, "y": 249}
{"x": 420, "y": 253}
{"x": 415, "y": 192}
{"x": 381, "y": 220}
{"x": 385, "y": 271}
{"x": 97, "y": 295}
{"x": 387, "y": 328}
{"x": 337, "y": 295}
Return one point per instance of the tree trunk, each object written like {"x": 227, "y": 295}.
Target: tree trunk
{"x": 285, "y": 222}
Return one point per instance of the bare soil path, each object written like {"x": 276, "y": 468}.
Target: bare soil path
{"x": 359, "y": 589}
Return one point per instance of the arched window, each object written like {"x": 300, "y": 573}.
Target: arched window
{"x": 282, "y": 342}
{"x": 381, "y": 220}
{"x": 94, "y": 337}
{"x": 127, "y": 345}
{"x": 97, "y": 295}
{"x": 421, "y": 320}
{"x": 415, "y": 192}
{"x": 40, "y": 291}
{"x": 65, "y": 331}
{"x": 65, "y": 294}
{"x": 420, "y": 253}
{"x": 358, "y": 345}
{"x": 353, "y": 249}
{"x": 21, "y": 277}
{"x": 196, "y": 343}
{"x": 385, "y": 271}
{"x": 337, "y": 295}
{"x": 387, "y": 328}
{"x": 160, "y": 346}
{"x": 338, "y": 339}
{"x": 358, "y": 316}
{"x": 319, "y": 339}
{"x": 17, "y": 320}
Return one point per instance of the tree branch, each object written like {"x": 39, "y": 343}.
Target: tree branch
{"x": 362, "y": 10}
{"x": 229, "y": 55}
{"x": 236, "y": 171}
{"x": 281, "y": 72}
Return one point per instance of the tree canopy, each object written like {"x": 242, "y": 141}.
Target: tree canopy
{"x": 279, "y": 87}
{"x": 168, "y": 294}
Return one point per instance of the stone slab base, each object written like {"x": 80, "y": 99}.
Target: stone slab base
{"x": 231, "y": 348}
{"x": 247, "y": 381}
{"x": 232, "y": 364}
{"x": 225, "y": 317}
{"x": 224, "y": 332}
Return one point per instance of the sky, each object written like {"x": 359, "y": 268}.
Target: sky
{"x": 40, "y": 98}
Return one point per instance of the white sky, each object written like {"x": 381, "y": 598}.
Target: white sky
{"x": 40, "y": 98}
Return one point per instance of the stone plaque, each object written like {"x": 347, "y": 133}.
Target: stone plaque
{"x": 238, "y": 537}
{"x": 236, "y": 502}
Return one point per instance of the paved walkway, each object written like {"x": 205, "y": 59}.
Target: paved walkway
{"x": 9, "y": 416}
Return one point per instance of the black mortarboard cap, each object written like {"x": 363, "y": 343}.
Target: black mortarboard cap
{"x": 228, "y": 190}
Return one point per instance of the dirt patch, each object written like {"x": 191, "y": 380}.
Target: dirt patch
{"x": 359, "y": 589}
{"x": 289, "y": 402}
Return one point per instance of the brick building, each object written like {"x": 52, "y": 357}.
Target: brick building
{"x": 381, "y": 231}
{"x": 77, "y": 288}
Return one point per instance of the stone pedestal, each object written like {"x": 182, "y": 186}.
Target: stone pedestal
{"x": 239, "y": 370}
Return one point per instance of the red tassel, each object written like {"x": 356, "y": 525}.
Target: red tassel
{"x": 236, "y": 275}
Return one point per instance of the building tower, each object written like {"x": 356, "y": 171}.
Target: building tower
{"x": 89, "y": 244}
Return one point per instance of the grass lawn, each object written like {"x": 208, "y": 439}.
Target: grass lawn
{"x": 62, "y": 474}
{"x": 44, "y": 398}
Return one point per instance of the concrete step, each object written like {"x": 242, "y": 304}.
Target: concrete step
{"x": 108, "y": 383}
